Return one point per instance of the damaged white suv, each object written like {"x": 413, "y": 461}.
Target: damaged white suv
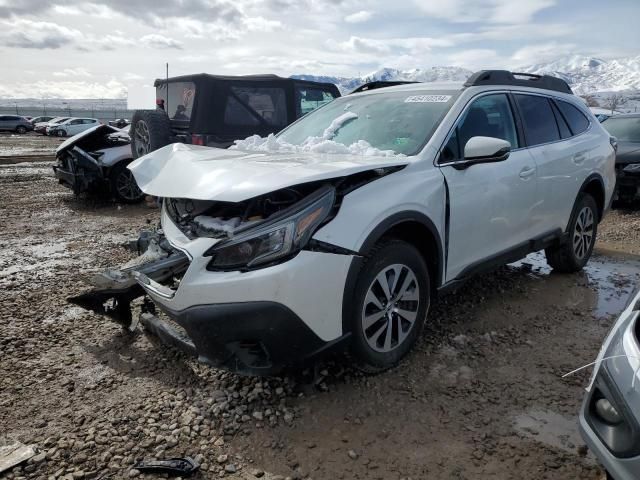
{"x": 342, "y": 229}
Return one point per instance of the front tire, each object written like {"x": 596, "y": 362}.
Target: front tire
{"x": 21, "y": 129}
{"x": 389, "y": 305}
{"x": 573, "y": 255}
{"x": 61, "y": 133}
{"x": 123, "y": 185}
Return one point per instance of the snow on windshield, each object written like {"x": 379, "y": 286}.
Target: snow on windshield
{"x": 322, "y": 144}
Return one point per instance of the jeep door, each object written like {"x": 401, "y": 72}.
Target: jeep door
{"x": 490, "y": 204}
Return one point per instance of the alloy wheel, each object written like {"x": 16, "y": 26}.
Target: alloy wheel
{"x": 126, "y": 185}
{"x": 390, "y": 308}
{"x": 583, "y": 233}
{"x": 143, "y": 139}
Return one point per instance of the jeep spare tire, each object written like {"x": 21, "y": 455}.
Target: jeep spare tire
{"x": 150, "y": 130}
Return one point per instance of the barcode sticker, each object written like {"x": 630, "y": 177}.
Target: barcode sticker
{"x": 428, "y": 99}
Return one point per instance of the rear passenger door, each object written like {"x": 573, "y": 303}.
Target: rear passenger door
{"x": 552, "y": 130}
{"x": 490, "y": 204}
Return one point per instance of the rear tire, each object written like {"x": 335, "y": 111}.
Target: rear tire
{"x": 21, "y": 129}
{"x": 573, "y": 254}
{"x": 150, "y": 130}
{"x": 123, "y": 185}
{"x": 389, "y": 305}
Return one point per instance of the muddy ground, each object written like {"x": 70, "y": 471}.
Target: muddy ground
{"x": 27, "y": 147}
{"x": 480, "y": 398}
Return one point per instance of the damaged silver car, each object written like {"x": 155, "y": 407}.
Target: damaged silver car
{"x": 95, "y": 161}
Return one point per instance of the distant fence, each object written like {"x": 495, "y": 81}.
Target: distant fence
{"x": 100, "y": 114}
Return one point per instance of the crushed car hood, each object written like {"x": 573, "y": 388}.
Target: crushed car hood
{"x": 99, "y": 130}
{"x": 206, "y": 173}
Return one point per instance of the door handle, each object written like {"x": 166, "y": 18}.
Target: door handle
{"x": 578, "y": 158}
{"x": 526, "y": 172}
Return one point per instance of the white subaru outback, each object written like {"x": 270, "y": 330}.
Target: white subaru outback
{"x": 342, "y": 229}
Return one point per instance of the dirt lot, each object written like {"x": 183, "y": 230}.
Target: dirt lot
{"x": 481, "y": 397}
{"x": 28, "y": 147}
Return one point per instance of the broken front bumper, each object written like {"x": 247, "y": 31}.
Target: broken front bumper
{"x": 77, "y": 170}
{"x": 233, "y": 320}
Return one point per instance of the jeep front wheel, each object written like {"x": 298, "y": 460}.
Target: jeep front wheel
{"x": 391, "y": 301}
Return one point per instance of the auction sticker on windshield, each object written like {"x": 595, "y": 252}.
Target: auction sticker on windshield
{"x": 428, "y": 99}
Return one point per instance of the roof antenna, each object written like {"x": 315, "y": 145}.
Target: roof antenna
{"x": 166, "y": 85}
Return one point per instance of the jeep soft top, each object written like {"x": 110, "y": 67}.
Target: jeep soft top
{"x": 216, "y": 110}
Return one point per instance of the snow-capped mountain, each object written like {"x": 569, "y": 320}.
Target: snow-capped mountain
{"x": 434, "y": 74}
{"x": 591, "y": 75}
{"x": 585, "y": 75}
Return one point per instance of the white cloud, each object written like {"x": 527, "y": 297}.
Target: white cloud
{"x": 541, "y": 53}
{"x": 477, "y": 58}
{"x": 359, "y": 17}
{"x": 476, "y": 11}
{"x": 23, "y": 33}
{"x": 72, "y": 72}
{"x": 64, "y": 89}
{"x": 155, "y": 40}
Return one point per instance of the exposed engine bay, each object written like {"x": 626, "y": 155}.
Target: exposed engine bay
{"x": 199, "y": 218}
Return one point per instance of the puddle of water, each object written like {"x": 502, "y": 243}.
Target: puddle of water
{"x": 551, "y": 429}
{"x": 613, "y": 281}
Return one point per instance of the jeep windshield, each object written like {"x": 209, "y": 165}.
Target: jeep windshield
{"x": 401, "y": 122}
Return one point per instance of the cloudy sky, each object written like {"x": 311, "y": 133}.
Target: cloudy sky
{"x": 79, "y": 49}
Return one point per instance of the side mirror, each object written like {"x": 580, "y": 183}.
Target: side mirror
{"x": 484, "y": 150}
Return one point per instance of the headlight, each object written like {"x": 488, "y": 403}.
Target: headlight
{"x": 276, "y": 240}
{"x": 632, "y": 168}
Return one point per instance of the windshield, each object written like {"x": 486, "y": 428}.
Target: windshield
{"x": 401, "y": 122}
{"x": 625, "y": 129}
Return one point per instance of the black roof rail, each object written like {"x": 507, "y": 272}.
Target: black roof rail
{"x": 505, "y": 77}
{"x": 365, "y": 87}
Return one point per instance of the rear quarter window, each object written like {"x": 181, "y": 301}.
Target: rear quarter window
{"x": 577, "y": 121}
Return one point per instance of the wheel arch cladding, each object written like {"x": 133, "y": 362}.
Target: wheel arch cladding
{"x": 412, "y": 227}
{"x": 594, "y": 186}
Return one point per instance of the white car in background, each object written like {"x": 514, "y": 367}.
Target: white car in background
{"x": 72, "y": 126}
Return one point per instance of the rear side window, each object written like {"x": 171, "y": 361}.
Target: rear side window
{"x": 251, "y": 106}
{"x": 565, "y": 132}
{"x": 308, "y": 99}
{"x": 578, "y": 122}
{"x": 539, "y": 122}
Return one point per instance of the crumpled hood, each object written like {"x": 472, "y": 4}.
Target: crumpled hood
{"x": 97, "y": 130}
{"x": 628, "y": 152}
{"x": 206, "y": 173}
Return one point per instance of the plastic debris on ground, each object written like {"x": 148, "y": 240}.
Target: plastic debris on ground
{"x": 13, "y": 453}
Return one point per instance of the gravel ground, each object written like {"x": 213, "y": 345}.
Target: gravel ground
{"x": 31, "y": 145}
{"x": 480, "y": 398}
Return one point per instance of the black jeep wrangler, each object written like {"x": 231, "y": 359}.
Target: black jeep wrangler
{"x": 216, "y": 110}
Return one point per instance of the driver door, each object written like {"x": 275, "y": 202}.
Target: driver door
{"x": 490, "y": 204}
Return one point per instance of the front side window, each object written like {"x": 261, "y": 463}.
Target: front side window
{"x": 539, "y": 123}
{"x": 577, "y": 121}
{"x": 488, "y": 116}
{"x": 252, "y": 106}
{"x": 399, "y": 121}
{"x": 310, "y": 98}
